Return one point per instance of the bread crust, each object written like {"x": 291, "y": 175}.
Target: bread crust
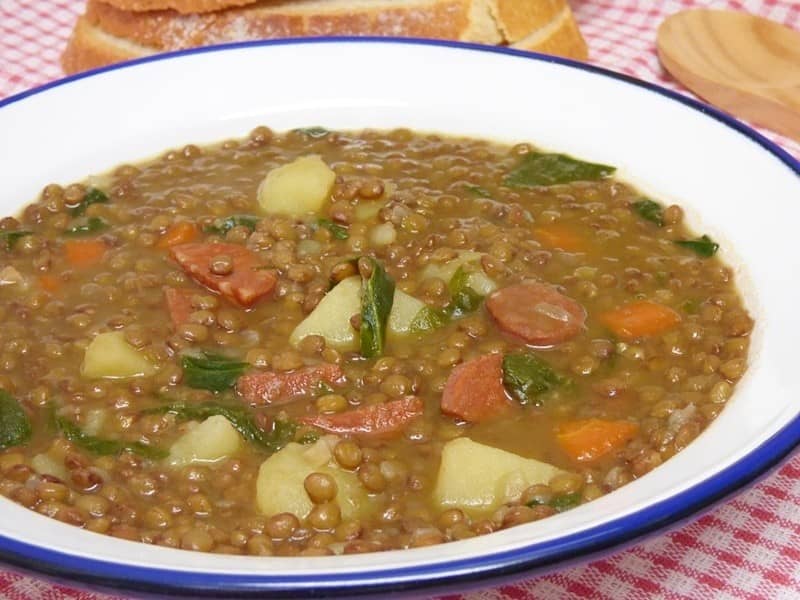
{"x": 516, "y": 19}
{"x": 89, "y": 48}
{"x": 181, "y": 6}
{"x": 169, "y": 30}
{"x": 107, "y": 34}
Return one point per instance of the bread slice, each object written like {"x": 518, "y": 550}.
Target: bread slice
{"x": 181, "y": 6}
{"x": 106, "y": 34}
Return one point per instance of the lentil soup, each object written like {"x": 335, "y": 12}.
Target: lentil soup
{"x": 321, "y": 342}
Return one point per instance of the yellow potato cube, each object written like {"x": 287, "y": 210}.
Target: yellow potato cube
{"x": 479, "y": 478}
{"x": 209, "y": 441}
{"x": 110, "y": 356}
{"x": 297, "y": 188}
{"x": 280, "y": 484}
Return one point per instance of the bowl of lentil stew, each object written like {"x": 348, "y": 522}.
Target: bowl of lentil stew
{"x": 462, "y": 343}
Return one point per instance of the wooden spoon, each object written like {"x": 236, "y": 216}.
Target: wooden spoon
{"x": 746, "y": 65}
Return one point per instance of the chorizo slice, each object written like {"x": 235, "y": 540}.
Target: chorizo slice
{"x": 474, "y": 391}
{"x": 536, "y": 313}
{"x": 270, "y": 387}
{"x": 377, "y": 419}
{"x": 245, "y": 284}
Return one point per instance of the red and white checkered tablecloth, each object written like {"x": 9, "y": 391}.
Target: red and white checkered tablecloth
{"x": 748, "y": 547}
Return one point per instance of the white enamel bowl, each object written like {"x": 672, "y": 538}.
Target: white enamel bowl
{"x": 738, "y": 187}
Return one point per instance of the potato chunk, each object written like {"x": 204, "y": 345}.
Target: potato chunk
{"x": 297, "y": 188}
{"x": 331, "y": 317}
{"x": 479, "y": 281}
{"x": 280, "y": 488}
{"x": 209, "y": 441}
{"x": 404, "y": 309}
{"x": 110, "y": 356}
{"x": 479, "y": 478}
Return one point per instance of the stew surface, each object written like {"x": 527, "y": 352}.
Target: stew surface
{"x": 318, "y": 342}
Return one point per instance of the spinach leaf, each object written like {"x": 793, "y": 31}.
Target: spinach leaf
{"x": 207, "y": 371}
{"x": 90, "y": 225}
{"x": 703, "y": 246}
{"x": 313, "y": 132}
{"x": 15, "y": 426}
{"x": 92, "y": 196}
{"x": 322, "y": 389}
{"x": 222, "y": 226}
{"x": 309, "y": 437}
{"x": 649, "y": 211}
{"x": 537, "y": 168}
{"x": 566, "y": 501}
{"x": 282, "y": 432}
{"x": 12, "y": 237}
{"x": 103, "y": 446}
{"x": 526, "y": 376}
{"x": 428, "y": 318}
{"x": 463, "y": 299}
{"x": 377, "y": 298}
{"x": 691, "y": 306}
{"x": 560, "y": 503}
{"x": 337, "y": 231}
{"x": 478, "y": 191}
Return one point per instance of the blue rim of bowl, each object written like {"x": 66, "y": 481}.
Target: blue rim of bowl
{"x": 480, "y": 570}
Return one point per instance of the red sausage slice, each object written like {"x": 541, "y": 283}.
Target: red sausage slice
{"x": 273, "y": 388}
{"x": 377, "y": 419}
{"x": 537, "y": 313}
{"x": 246, "y": 284}
{"x": 474, "y": 391}
{"x": 179, "y": 304}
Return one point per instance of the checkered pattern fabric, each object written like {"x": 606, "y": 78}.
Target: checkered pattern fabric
{"x": 746, "y": 548}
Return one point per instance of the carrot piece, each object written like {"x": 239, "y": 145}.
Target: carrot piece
{"x": 587, "y": 440}
{"x": 557, "y": 235}
{"x": 474, "y": 391}
{"x": 50, "y": 283}
{"x": 247, "y": 283}
{"x": 84, "y": 253}
{"x": 376, "y": 419}
{"x": 181, "y": 232}
{"x": 269, "y": 387}
{"x": 640, "y": 319}
{"x": 179, "y": 304}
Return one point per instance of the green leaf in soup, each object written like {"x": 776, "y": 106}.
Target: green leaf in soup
{"x": 428, "y": 318}
{"x": 322, "y": 389}
{"x": 463, "y": 299}
{"x": 478, "y": 191}
{"x": 703, "y": 246}
{"x": 566, "y": 501}
{"x": 691, "y": 306}
{"x": 87, "y": 226}
{"x": 282, "y": 431}
{"x": 337, "y": 231}
{"x": 377, "y": 297}
{"x": 104, "y": 446}
{"x": 224, "y": 225}
{"x": 541, "y": 169}
{"x": 313, "y": 132}
{"x": 92, "y": 196}
{"x": 209, "y": 371}
{"x": 15, "y": 426}
{"x": 649, "y": 211}
{"x": 526, "y": 377}
{"x": 10, "y": 238}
